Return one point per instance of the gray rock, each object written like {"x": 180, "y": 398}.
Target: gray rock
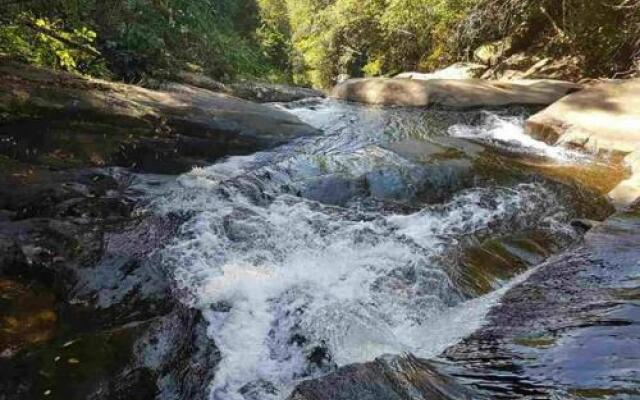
{"x": 389, "y": 378}
{"x": 571, "y": 327}
{"x": 164, "y": 131}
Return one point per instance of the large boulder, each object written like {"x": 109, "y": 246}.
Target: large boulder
{"x": 154, "y": 130}
{"x": 460, "y": 70}
{"x": 603, "y": 117}
{"x": 453, "y": 93}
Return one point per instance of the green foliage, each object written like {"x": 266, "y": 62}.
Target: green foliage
{"x": 309, "y": 42}
{"x": 601, "y": 33}
{"x": 215, "y": 34}
{"x": 356, "y": 37}
{"x": 142, "y": 37}
{"x": 44, "y": 42}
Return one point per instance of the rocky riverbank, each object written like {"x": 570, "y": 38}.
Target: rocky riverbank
{"x": 453, "y": 93}
{"x": 569, "y": 331}
{"x": 86, "y": 310}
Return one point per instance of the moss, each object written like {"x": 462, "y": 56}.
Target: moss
{"x": 630, "y": 294}
{"x": 322, "y": 163}
{"x": 449, "y": 154}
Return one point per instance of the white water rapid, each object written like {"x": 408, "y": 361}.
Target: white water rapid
{"x": 322, "y": 252}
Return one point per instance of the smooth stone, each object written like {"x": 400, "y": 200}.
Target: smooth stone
{"x": 453, "y": 93}
{"x": 570, "y": 327}
{"x": 603, "y": 117}
{"x": 163, "y": 131}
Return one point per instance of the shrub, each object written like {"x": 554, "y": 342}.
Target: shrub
{"x": 44, "y": 42}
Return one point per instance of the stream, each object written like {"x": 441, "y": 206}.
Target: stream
{"x": 393, "y": 232}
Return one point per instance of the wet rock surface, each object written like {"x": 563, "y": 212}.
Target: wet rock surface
{"x": 87, "y": 311}
{"x": 90, "y": 308}
{"x": 391, "y": 378}
{"x": 81, "y": 288}
{"x": 571, "y": 329}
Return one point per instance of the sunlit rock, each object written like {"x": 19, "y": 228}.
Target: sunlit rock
{"x": 460, "y": 70}
{"x": 603, "y": 117}
{"x": 453, "y": 93}
{"x": 162, "y": 131}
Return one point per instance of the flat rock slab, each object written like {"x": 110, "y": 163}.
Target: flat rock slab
{"x": 606, "y": 116}
{"x": 25, "y": 88}
{"x": 571, "y": 330}
{"x": 603, "y": 117}
{"x": 162, "y": 131}
{"x": 453, "y": 93}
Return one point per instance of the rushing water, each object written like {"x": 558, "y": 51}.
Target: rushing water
{"x": 330, "y": 250}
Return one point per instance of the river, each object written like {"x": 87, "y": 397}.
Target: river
{"x": 393, "y": 232}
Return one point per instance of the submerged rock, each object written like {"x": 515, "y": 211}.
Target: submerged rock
{"x": 453, "y": 93}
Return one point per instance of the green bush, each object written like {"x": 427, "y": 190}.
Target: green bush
{"x": 598, "y": 32}
{"x": 43, "y": 42}
{"x": 309, "y": 42}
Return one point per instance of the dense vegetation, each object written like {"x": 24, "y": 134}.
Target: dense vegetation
{"x": 309, "y": 42}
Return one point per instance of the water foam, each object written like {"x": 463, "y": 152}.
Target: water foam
{"x": 293, "y": 288}
{"x": 508, "y": 132}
